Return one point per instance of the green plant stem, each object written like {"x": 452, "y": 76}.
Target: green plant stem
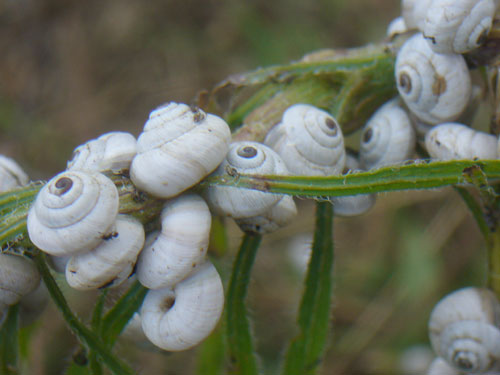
{"x": 476, "y": 211}
{"x": 307, "y": 348}
{"x": 86, "y": 336}
{"x": 240, "y": 343}
{"x": 494, "y": 262}
{"x": 9, "y": 342}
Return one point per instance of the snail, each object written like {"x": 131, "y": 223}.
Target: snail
{"x": 309, "y": 141}
{"x": 458, "y": 26}
{"x": 435, "y": 87}
{"x": 463, "y": 330}
{"x": 454, "y": 141}
{"x": 396, "y": 26}
{"x": 179, "y": 318}
{"x": 352, "y": 205}
{"x": 180, "y": 246}
{"x": 245, "y": 158}
{"x": 414, "y": 12}
{"x": 388, "y": 137}
{"x": 18, "y": 277}
{"x": 11, "y": 174}
{"x": 177, "y": 148}
{"x": 111, "y": 151}
{"x": 73, "y": 212}
{"x": 112, "y": 261}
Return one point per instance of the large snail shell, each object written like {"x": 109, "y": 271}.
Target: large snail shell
{"x": 180, "y": 318}
{"x": 458, "y": 26}
{"x": 11, "y": 174}
{"x": 435, "y": 87}
{"x": 463, "y": 329}
{"x": 18, "y": 277}
{"x": 110, "y": 263}
{"x": 178, "y": 147}
{"x": 414, "y": 12}
{"x": 245, "y": 158}
{"x": 453, "y": 141}
{"x": 388, "y": 137}
{"x": 72, "y": 212}
{"x": 309, "y": 141}
{"x": 181, "y": 245}
{"x": 111, "y": 151}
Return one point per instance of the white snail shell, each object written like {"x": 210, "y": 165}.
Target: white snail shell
{"x": 18, "y": 277}
{"x": 278, "y": 216}
{"x": 245, "y": 158}
{"x": 180, "y": 246}
{"x": 111, "y": 151}
{"x": 440, "y": 367}
{"x": 388, "y": 137}
{"x": 454, "y": 141}
{"x": 72, "y": 212}
{"x": 435, "y": 87}
{"x": 180, "y": 318}
{"x": 309, "y": 140}
{"x": 458, "y": 26}
{"x": 112, "y": 261}
{"x": 178, "y": 147}
{"x": 11, "y": 174}
{"x": 463, "y": 329}
{"x": 396, "y": 26}
{"x": 414, "y": 12}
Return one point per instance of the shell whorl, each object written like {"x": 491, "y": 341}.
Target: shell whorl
{"x": 72, "y": 212}
{"x": 309, "y": 141}
{"x": 11, "y": 174}
{"x": 178, "y": 147}
{"x": 18, "y": 277}
{"x": 414, "y": 12}
{"x": 180, "y": 318}
{"x": 435, "y": 87}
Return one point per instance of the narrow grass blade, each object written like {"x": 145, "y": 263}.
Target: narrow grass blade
{"x": 212, "y": 354}
{"x": 9, "y": 344}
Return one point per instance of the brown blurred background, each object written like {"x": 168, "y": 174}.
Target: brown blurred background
{"x": 71, "y": 70}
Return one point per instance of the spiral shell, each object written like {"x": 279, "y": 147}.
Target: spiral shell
{"x": 435, "y": 87}
{"x": 458, "y": 26}
{"x": 453, "y": 141}
{"x": 178, "y": 147}
{"x": 73, "y": 212}
{"x": 180, "y": 247}
{"x": 18, "y": 277}
{"x": 463, "y": 329}
{"x": 111, "y": 151}
{"x": 388, "y": 137}
{"x": 180, "y": 318}
{"x": 11, "y": 174}
{"x": 309, "y": 141}
{"x": 245, "y": 158}
{"x": 414, "y": 12}
{"x": 110, "y": 263}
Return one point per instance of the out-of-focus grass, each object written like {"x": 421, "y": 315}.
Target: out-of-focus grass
{"x": 71, "y": 70}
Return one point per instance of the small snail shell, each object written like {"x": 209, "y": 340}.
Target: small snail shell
{"x": 396, "y": 26}
{"x": 440, "y": 367}
{"x": 309, "y": 141}
{"x": 11, "y": 174}
{"x": 463, "y": 329}
{"x": 178, "y": 147}
{"x": 435, "y": 87}
{"x": 453, "y": 141}
{"x": 72, "y": 212}
{"x": 458, "y": 26}
{"x": 180, "y": 318}
{"x": 245, "y": 158}
{"x": 111, "y": 151}
{"x": 110, "y": 263}
{"x": 278, "y": 216}
{"x": 388, "y": 137}
{"x": 414, "y": 12}
{"x": 18, "y": 277}
{"x": 181, "y": 245}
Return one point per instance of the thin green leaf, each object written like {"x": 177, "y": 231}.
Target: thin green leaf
{"x": 306, "y": 349}
{"x": 86, "y": 336}
{"x": 476, "y": 211}
{"x": 117, "y": 318}
{"x": 9, "y": 344}
{"x": 94, "y": 363}
{"x": 240, "y": 343}
{"x": 212, "y": 354}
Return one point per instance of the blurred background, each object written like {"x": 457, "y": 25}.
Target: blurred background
{"x": 72, "y": 70}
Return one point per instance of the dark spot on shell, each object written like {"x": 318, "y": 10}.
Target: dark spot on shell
{"x": 367, "y": 136}
{"x": 463, "y": 363}
{"x": 168, "y": 303}
{"x": 332, "y": 125}
{"x": 438, "y": 143}
{"x": 198, "y": 114}
{"x": 405, "y": 83}
{"x": 247, "y": 152}
{"x": 193, "y": 265}
{"x": 109, "y": 236}
{"x": 72, "y": 271}
{"x": 109, "y": 283}
{"x": 431, "y": 38}
{"x": 64, "y": 184}
{"x": 439, "y": 85}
